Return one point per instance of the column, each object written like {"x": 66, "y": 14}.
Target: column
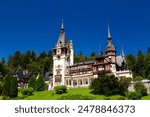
{"x": 72, "y": 83}
{"x": 88, "y": 81}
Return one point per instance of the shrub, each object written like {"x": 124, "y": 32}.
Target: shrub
{"x": 105, "y": 85}
{"x": 133, "y": 95}
{"x": 5, "y": 97}
{"x": 123, "y": 85}
{"x": 144, "y": 92}
{"x": 76, "y": 97}
{"x": 121, "y": 98}
{"x": 138, "y": 78}
{"x": 27, "y": 91}
{"x": 60, "y": 89}
{"x": 107, "y": 98}
{"x": 140, "y": 87}
{"x": 46, "y": 86}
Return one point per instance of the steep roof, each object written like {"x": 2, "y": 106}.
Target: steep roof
{"x": 110, "y": 46}
{"x": 62, "y": 37}
{"x": 84, "y": 63}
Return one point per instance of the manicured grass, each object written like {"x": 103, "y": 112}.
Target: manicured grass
{"x": 50, "y": 95}
{"x": 146, "y": 97}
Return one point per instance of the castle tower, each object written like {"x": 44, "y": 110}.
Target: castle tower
{"x": 110, "y": 53}
{"x": 62, "y": 57}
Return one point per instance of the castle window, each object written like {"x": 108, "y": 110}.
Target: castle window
{"x": 58, "y": 72}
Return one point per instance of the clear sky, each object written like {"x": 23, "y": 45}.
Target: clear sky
{"x": 35, "y": 24}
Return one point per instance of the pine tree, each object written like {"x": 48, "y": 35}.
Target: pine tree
{"x": 32, "y": 82}
{"x": 10, "y": 87}
{"x": 140, "y": 64}
{"x": 40, "y": 84}
{"x": 6, "y": 86}
{"x": 3, "y": 61}
{"x": 13, "y": 87}
{"x": 16, "y": 59}
{"x": 147, "y": 65}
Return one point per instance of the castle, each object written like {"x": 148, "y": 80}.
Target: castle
{"x": 66, "y": 72}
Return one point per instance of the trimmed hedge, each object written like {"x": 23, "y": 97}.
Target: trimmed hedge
{"x": 121, "y": 98}
{"x": 27, "y": 91}
{"x": 76, "y": 97}
{"x": 134, "y": 95}
{"x": 60, "y": 89}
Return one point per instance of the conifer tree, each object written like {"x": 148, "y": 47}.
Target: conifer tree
{"x": 32, "y": 82}
{"x": 13, "y": 87}
{"x": 40, "y": 84}
{"x": 10, "y": 87}
{"x": 6, "y": 86}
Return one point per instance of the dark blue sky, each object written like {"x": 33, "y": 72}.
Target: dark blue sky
{"x": 35, "y": 24}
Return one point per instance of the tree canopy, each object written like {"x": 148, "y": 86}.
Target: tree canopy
{"x": 139, "y": 64}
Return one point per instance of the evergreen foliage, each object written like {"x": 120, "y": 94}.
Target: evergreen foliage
{"x": 6, "y": 86}
{"x": 133, "y": 95}
{"x": 138, "y": 78}
{"x": 40, "y": 84}
{"x": 10, "y": 87}
{"x": 76, "y": 97}
{"x": 140, "y": 88}
{"x": 105, "y": 85}
{"x": 27, "y": 91}
{"x": 109, "y": 85}
{"x": 60, "y": 89}
{"x": 32, "y": 82}
{"x": 13, "y": 87}
{"x": 140, "y": 64}
{"x": 123, "y": 85}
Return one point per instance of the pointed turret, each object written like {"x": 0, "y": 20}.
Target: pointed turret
{"x": 62, "y": 38}
{"x": 109, "y": 36}
{"x": 122, "y": 53}
{"x": 62, "y": 25}
{"x": 110, "y": 47}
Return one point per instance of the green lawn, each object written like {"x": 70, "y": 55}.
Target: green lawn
{"x": 146, "y": 97}
{"x": 49, "y": 95}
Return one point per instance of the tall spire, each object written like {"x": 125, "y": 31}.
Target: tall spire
{"x": 62, "y": 24}
{"x": 109, "y": 36}
{"x": 62, "y": 38}
{"x": 122, "y": 53}
{"x": 110, "y": 46}
{"x": 99, "y": 47}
